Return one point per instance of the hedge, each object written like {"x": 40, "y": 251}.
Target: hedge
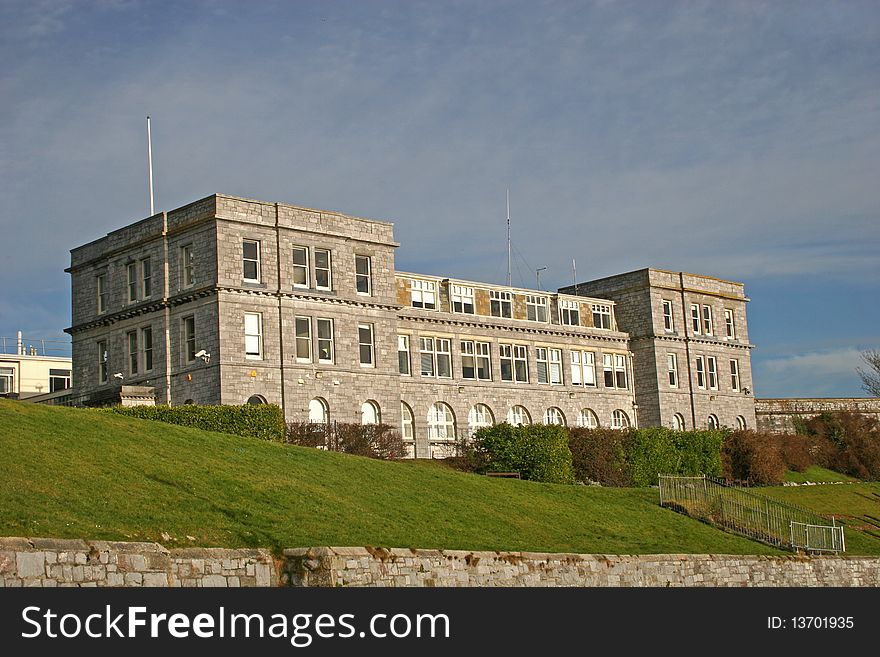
{"x": 264, "y": 421}
{"x": 537, "y": 452}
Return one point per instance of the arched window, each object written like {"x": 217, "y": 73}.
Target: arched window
{"x": 712, "y": 422}
{"x": 619, "y": 419}
{"x": 587, "y": 418}
{"x": 554, "y": 416}
{"x": 441, "y": 422}
{"x": 740, "y": 423}
{"x": 370, "y": 413}
{"x": 678, "y": 422}
{"x": 256, "y": 399}
{"x": 479, "y": 416}
{"x": 518, "y": 415}
{"x": 406, "y": 421}
{"x": 319, "y": 412}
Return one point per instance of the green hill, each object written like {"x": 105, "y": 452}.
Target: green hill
{"x": 72, "y": 473}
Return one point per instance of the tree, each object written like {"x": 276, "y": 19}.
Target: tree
{"x": 870, "y": 374}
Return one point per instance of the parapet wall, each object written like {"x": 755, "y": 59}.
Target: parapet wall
{"x": 777, "y": 415}
{"x": 44, "y": 562}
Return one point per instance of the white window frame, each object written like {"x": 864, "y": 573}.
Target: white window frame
{"x": 101, "y": 291}
{"x": 619, "y": 419}
{"x": 403, "y": 355}
{"x": 588, "y": 419}
{"x": 678, "y": 422}
{"x": 7, "y": 376}
{"x": 583, "y": 368}
{"x": 462, "y": 298}
{"x": 302, "y": 339}
{"x": 554, "y": 416}
{"x": 319, "y": 411}
{"x": 370, "y": 413}
{"x": 672, "y": 370}
{"x": 131, "y": 274}
{"x": 328, "y": 270}
{"x": 361, "y": 277}
{"x": 131, "y": 341}
{"x": 519, "y": 415}
{"x": 602, "y": 313}
{"x": 103, "y": 357}
{"x": 189, "y": 339}
{"x": 537, "y": 308}
{"x": 542, "y": 362}
{"x": 302, "y": 268}
{"x": 249, "y": 341}
{"x": 439, "y": 350}
{"x": 320, "y": 340}
{"x": 407, "y": 422}
{"x": 505, "y": 355}
{"x": 371, "y": 345}
{"x": 696, "y": 323}
{"x": 499, "y": 300}
{"x": 480, "y": 416}
{"x": 708, "y": 325}
{"x": 441, "y": 422}
{"x": 187, "y": 266}
{"x": 712, "y": 422}
{"x": 245, "y": 260}
{"x": 741, "y": 423}
{"x": 729, "y": 324}
{"x": 712, "y": 372}
{"x": 147, "y": 347}
{"x": 700, "y": 372}
{"x": 146, "y": 278}
{"x": 620, "y": 370}
{"x": 423, "y": 294}
{"x": 477, "y": 354}
{"x": 569, "y": 312}
{"x": 520, "y": 360}
{"x": 59, "y": 379}
{"x": 668, "y": 317}
{"x": 734, "y": 375}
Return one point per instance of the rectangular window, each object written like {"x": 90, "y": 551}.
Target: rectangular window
{"x": 303, "y": 329}
{"x": 608, "y": 369}
{"x": 672, "y": 369}
{"x": 101, "y": 284}
{"x": 189, "y": 339}
{"x": 323, "y": 270}
{"x": 147, "y": 346}
{"x": 505, "y": 353}
{"x": 695, "y": 318}
{"x": 601, "y": 316}
{"x": 543, "y": 364}
{"x": 325, "y": 340}
{"x": 403, "y": 354}
{"x": 462, "y": 299}
{"x": 58, "y": 380}
{"x": 146, "y": 278}
{"x": 427, "y": 356}
{"x": 102, "y": 361}
{"x": 132, "y": 338}
{"x": 549, "y": 365}
{"x": 712, "y": 368}
{"x": 484, "y": 362}
{"x": 583, "y": 368}
{"x": 7, "y": 380}
{"x": 444, "y": 358}
{"x": 707, "y": 320}
{"x": 300, "y": 266}
{"x": 556, "y": 367}
{"x": 362, "y": 270}
{"x": 569, "y": 312}
{"x": 536, "y": 308}
{"x": 501, "y": 304}
{"x": 132, "y": 274}
{"x": 668, "y": 323}
{"x": 424, "y": 294}
{"x": 620, "y": 371}
{"x": 734, "y": 374}
{"x": 701, "y": 372}
{"x": 250, "y": 258}
{"x": 187, "y": 268}
{"x": 475, "y": 361}
{"x": 253, "y": 336}
{"x": 729, "y": 324}
{"x": 366, "y": 350}
{"x": 520, "y": 364}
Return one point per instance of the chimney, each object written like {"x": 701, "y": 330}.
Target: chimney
{"x": 20, "y": 345}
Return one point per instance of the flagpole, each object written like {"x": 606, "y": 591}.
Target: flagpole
{"x": 150, "y": 162}
{"x": 508, "y": 238}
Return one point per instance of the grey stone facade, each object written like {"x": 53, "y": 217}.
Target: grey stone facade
{"x": 222, "y": 264}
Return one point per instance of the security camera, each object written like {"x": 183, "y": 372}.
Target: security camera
{"x": 118, "y": 375}
{"x": 204, "y": 355}
{"x": 201, "y": 353}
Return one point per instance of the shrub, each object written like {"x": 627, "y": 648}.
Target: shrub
{"x": 847, "y": 442}
{"x": 752, "y": 457}
{"x": 537, "y": 452}
{"x": 378, "y": 441}
{"x": 600, "y": 455}
{"x": 265, "y": 421}
{"x": 658, "y": 450}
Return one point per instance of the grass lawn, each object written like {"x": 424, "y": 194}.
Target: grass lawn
{"x": 73, "y": 473}
{"x": 817, "y": 474}
{"x": 857, "y": 505}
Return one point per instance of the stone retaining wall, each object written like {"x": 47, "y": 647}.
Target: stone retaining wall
{"x": 777, "y": 415}
{"x": 61, "y": 562}
{"x": 53, "y": 562}
{"x": 403, "y": 567}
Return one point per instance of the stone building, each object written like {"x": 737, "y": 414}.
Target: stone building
{"x": 229, "y": 300}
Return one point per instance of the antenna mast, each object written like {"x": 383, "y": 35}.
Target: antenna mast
{"x": 508, "y": 237}
{"x": 150, "y": 162}
{"x": 574, "y": 273}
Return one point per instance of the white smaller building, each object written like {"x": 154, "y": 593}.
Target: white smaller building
{"x": 27, "y": 369}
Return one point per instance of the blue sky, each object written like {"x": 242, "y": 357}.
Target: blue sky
{"x": 736, "y": 139}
